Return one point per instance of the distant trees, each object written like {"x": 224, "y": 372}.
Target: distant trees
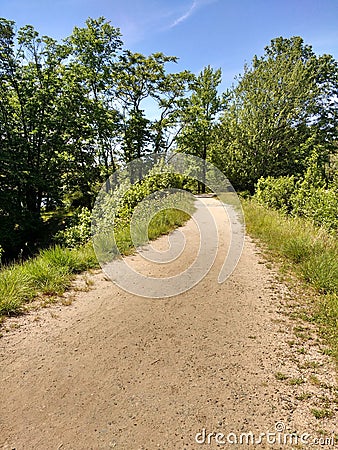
{"x": 199, "y": 115}
{"x": 140, "y": 78}
{"x": 71, "y": 112}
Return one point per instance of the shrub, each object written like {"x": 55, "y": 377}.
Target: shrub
{"x": 309, "y": 197}
{"x": 276, "y": 192}
{"x": 319, "y": 205}
{"x": 78, "y": 232}
{"x": 115, "y": 209}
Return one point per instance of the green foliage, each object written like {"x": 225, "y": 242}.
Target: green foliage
{"x": 317, "y": 205}
{"x": 152, "y": 221}
{"x": 78, "y": 231}
{"x": 199, "y": 116}
{"x": 314, "y": 198}
{"x": 69, "y": 112}
{"x": 276, "y": 192}
{"x": 280, "y": 109}
{"x": 309, "y": 197}
{"x": 116, "y": 207}
{"x": 113, "y": 212}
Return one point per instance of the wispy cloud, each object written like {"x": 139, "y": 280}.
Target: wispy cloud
{"x": 136, "y": 24}
{"x": 186, "y": 15}
{"x": 195, "y": 5}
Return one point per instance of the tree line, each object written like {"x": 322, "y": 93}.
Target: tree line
{"x": 73, "y": 111}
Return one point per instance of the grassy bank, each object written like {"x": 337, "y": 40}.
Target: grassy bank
{"x": 308, "y": 252}
{"x": 51, "y": 272}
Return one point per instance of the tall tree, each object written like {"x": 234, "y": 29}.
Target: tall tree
{"x": 285, "y": 99}
{"x": 31, "y": 84}
{"x": 94, "y": 53}
{"x": 170, "y": 97}
{"x": 200, "y": 114}
{"x": 140, "y": 77}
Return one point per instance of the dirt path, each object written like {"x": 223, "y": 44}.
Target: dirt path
{"x": 113, "y": 370}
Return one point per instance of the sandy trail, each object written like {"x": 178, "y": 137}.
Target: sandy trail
{"x": 114, "y": 370}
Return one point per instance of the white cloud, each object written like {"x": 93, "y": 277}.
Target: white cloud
{"x": 195, "y": 5}
{"x": 186, "y": 15}
{"x": 135, "y": 27}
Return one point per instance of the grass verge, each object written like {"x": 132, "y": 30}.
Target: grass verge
{"x": 51, "y": 272}
{"x": 310, "y": 253}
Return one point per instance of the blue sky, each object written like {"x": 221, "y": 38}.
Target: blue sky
{"x": 222, "y": 33}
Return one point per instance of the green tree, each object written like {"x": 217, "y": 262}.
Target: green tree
{"x": 92, "y": 76}
{"x": 31, "y": 75}
{"x": 200, "y": 114}
{"x": 170, "y": 98}
{"x": 139, "y": 78}
{"x": 285, "y": 98}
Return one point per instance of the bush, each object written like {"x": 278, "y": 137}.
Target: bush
{"x": 78, "y": 231}
{"x": 319, "y": 205}
{"x": 114, "y": 209}
{"x": 276, "y": 192}
{"x": 310, "y": 197}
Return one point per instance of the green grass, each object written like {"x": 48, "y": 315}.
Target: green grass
{"x": 308, "y": 252}
{"x": 51, "y": 272}
{"x": 14, "y": 289}
{"x": 165, "y": 221}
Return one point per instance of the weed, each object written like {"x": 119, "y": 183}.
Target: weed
{"x": 281, "y": 376}
{"x": 296, "y": 381}
{"x": 322, "y": 413}
{"x": 314, "y": 380}
{"x": 303, "y": 396}
{"x": 311, "y": 365}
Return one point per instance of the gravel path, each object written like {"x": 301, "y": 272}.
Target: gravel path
{"x": 114, "y": 370}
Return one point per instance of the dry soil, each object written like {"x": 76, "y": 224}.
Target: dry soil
{"x": 114, "y": 370}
